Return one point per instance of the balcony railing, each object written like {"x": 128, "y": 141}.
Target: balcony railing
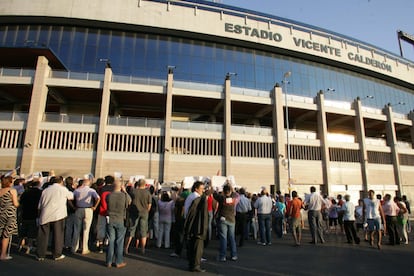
{"x": 135, "y": 122}
{"x": 76, "y": 75}
{"x": 20, "y": 72}
{"x": 198, "y": 126}
{"x": 13, "y": 116}
{"x": 301, "y": 134}
{"x": 250, "y": 92}
{"x": 198, "y": 86}
{"x": 136, "y": 80}
{"x": 375, "y": 141}
{"x": 70, "y": 118}
{"x": 252, "y": 130}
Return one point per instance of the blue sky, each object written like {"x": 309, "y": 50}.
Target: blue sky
{"x": 373, "y": 21}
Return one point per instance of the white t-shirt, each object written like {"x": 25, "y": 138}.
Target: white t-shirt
{"x": 349, "y": 211}
{"x": 315, "y": 202}
{"x": 52, "y": 204}
{"x": 371, "y": 208}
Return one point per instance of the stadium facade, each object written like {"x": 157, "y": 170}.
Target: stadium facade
{"x": 168, "y": 89}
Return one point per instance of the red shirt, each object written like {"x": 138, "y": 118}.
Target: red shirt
{"x": 210, "y": 203}
{"x": 294, "y": 208}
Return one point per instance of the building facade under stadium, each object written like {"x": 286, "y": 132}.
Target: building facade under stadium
{"x": 169, "y": 89}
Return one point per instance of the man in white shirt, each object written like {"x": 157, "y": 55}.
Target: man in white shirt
{"x": 264, "y": 209}
{"x": 348, "y": 209}
{"x": 53, "y": 211}
{"x": 373, "y": 214}
{"x": 87, "y": 200}
{"x": 314, "y": 204}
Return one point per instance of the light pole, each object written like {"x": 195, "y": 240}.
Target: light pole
{"x": 285, "y": 83}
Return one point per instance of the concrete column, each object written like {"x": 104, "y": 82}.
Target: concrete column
{"x": 392, "y": 143}
{"x": 411, "y": 116}
{"x": 167, "y": 127}
{"x": 227, "y": 126}
{"x": 281, "y": 180}
{"x": 360, "y": 133}
{"x": 323, "y": 137}
{"x": 103, "y": 121}
{"x": 36, "y": 111}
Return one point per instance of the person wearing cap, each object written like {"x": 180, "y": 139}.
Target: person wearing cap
{"x": 87, "y": 200}
{"x": 8, "y": 215}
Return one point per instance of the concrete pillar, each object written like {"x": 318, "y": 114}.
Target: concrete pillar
{"x": 103, "y": 121}
{"x": 411, "y": 116}
{"x": 360, "y": 133}
{"x": 281, "y": 180}
{"x": 323, "y": 137}
{"x": 227, "y": 127}
{"x": 392, "y": 143}
{"x": 36, "y": 111}
{"x": 167, "y": 127}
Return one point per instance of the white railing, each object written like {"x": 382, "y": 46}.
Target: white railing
{"x": 404, "y": 145}
{"x": 250, "y": 92}
{"x": 137, "y": 80}
{"x": 252, "y": 130}
{"x": 13, "y": 116}
{"x": 135, "y": 122}
{"x": 198, "y": 126}
{"x": 299, "y": 99}
{"x": 371, "y": 110}
{"x": 375, "y": 141}
{"x": 198, "y": 86}
{"x": 301, "y": 134}
{"x": 70, "y": 118}
{"x": 76, "y": 75}
{"x": 338, "y": 104}
{"x": 13, "y": 72}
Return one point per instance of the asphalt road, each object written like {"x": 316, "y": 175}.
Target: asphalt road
{"x": 335, "y": 257}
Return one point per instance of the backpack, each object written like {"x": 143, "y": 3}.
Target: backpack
{"x": 277, "y": 212}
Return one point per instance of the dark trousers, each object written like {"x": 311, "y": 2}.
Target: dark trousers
{"x": 194, "y": 253}
{"x": 58, "y": 229}
{"x": 178, "y": 236}
{"x": 241, "y": 227}
{"x": 392, "y": 232}
{"x": 350, "y": 231}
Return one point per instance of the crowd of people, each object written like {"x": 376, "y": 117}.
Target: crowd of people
{"x": 109, "y": 215}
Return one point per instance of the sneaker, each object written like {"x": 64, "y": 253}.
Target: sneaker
{"x": 222, "y": 259}
{"x": 40, "y": 259}
{"x": 61, "y": 257}
{"x": 175, "y": 255}
{"x": 203, "y": 259}
{"x": 261, "y": 243}
{"x": 234, "y": 258}
{"x": 269, "y": 243}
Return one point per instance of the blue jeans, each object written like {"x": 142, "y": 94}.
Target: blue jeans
{"x": 265, "y": 222}
{"x": 226, "y": 230}
{"x": 116, "y": 235}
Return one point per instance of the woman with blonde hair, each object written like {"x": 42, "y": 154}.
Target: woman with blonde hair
{"x": 8, "y": 215}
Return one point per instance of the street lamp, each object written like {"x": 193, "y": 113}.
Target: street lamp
{"x": 399, "y": 103}
{"x": 285, "y": 83}
{"x": 107, "y": 62}
{"x": 171, "y": 68}
{"x": 230, "y": 74}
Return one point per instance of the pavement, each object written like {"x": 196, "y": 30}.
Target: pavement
{"x": 334, "y": 257}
